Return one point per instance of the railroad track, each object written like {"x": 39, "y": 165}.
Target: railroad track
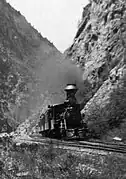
{"x": 77, "y": 145}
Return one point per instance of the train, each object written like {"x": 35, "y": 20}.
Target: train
{"x": 64, "y": 121}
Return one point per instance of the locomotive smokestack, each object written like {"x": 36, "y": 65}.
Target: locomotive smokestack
{"x": 71, "y": 90}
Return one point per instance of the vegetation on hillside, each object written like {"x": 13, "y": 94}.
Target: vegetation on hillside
{"x": 39, "y": 162}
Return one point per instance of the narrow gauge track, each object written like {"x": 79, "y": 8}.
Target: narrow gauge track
{"x": 78, "y": 145}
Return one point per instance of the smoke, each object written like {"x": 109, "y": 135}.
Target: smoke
{"x": 56, "y": 74}
{"x": 72, "y": 74}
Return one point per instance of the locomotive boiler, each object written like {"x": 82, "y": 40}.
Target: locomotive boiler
{"x": 63, "y": 121}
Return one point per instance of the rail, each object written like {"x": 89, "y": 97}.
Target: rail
{"x": 77, "y": 145}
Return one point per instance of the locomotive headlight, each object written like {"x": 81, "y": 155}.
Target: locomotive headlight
{"x": 68, "y": 112}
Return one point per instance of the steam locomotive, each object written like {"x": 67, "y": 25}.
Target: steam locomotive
{"x": 63, "y": 121}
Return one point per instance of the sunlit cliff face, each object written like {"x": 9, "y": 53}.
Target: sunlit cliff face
{"x": 99, "y": 50}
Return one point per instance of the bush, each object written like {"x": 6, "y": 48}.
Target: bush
{"x": 49, "y": 162}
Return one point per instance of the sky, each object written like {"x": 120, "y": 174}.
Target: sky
{"x": 55, "y": 19}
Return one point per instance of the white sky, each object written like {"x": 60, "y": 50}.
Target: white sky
{"x": 54, "y": 19}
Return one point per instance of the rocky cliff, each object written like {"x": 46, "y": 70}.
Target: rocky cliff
{"x": 32, "y": 70}
{"x": 99, "y": 50}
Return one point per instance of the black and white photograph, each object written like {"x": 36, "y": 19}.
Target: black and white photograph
{"x": 63, "y": 89}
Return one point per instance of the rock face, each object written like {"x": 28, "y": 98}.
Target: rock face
{"x": 32, "y": 70}
{"x": 99, "y": 49}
